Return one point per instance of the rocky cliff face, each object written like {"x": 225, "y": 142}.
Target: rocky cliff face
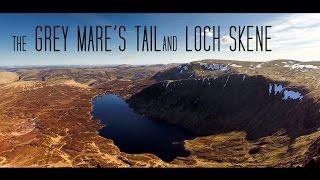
{"x": 247, "y": 114}
{"x": 238, "y": 102}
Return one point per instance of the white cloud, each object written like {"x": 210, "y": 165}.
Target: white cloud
{"x": 208, "y": 33}
{"x": 226, "y": 40}
{"x": 295, "y": 31}
{"x": 294, "y": 21}
{"x": 296, "y": 36}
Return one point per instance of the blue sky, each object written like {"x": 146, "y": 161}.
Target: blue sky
{"x": 294, "y": 36}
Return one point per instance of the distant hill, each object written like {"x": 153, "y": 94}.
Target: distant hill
{"x": 89, "y": 75}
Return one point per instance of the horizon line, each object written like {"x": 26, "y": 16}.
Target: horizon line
{"x": 151, "y": 64}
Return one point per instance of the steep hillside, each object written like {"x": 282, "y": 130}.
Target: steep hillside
{"x": 247, "y": 114}
{"x": 254, "y": 104}
{"x": 294, "y": 72}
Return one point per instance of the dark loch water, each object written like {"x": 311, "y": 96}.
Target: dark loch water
{"x": 134, "y": 133}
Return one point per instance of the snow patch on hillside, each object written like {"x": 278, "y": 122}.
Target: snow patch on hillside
{"x": 301, "y": 66}
{"x": 256, "y": 67}
{"x": 183, "y": 68}
{"x": 205, "y": 66}
{"x": 259, "y": 65}
{"x": 243, "y": 77}
{"x": 213, "y": 67}
{"x": 287, "y": 94}
{"x": 226, "y": 82}
{"x": 168, "y": 83}
{"x": 235, "y": 65}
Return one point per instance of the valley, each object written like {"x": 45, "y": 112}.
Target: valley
{"x": 243, "y": 114}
